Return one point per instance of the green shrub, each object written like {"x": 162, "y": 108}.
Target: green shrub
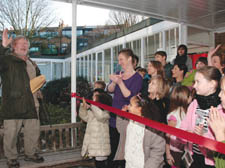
{"x": 57, "y": 98}
{"x": 59, "y": 115}
{"x": 59, "y": 91}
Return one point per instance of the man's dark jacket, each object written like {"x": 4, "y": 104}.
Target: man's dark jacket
{"x": 17, "y": 99}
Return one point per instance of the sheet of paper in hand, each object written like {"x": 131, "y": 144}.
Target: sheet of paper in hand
{"x": 201, "y": 118}
{"x": 37, "y": 83}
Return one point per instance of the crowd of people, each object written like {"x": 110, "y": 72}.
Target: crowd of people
{"x": 171, "y": 93}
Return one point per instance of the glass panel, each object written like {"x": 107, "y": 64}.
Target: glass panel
{"x": 172, "y": 40}
{"x": 137, "y": 48}
{"x": 145, "y": 49}
{"x": 90, "y": 70}
{"x": 68, "y": 68}
{"x": 99, "y": 73}
{"x": 152, "y": 44}
{"x": 57, "y": 70}
{"x": 116, "y": 66}
{"x": 107, "y": 65}
{"x": 85, "y": 67}
{"x": 78, "y": 67}
{"x": 128, "y": 45}
{"x": 167, "y": 42}
{"x": 149, "y": 49}
{"x": 82, "y": 67}
{"x": 45, "y": 68}
{"x": 177, "y": 37}
{"x": 160, "y": 41}
{"x": 94, "y": 69}
{"x": 156, "y": 42}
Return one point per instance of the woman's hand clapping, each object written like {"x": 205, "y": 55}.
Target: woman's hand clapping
{"x": 117, "y": 79}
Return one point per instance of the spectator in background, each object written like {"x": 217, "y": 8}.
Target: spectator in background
{"x": 182, "y": 57}
{"x": 161, "y": 56}
{"x": 135, "y": 63}
{"x": 124, "y": 85}
{"x": 178, "y": 73}
{"x": 142, "y": 72}
{"x": 190, "y": 76}
{"x": 201, "y": 62}
{"x": 99, "y": 85}
{"x": 216, "y": 58}
{"x": 154, "y": 68}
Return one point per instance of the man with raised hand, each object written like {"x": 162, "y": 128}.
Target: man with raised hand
{"x": 18, "y": 107}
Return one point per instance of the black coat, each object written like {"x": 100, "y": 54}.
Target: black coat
{"x": 17, "y": 99}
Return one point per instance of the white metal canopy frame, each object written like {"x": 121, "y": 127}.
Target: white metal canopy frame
{"x": 204, "y": 13}
{"x": 207, "y": 14}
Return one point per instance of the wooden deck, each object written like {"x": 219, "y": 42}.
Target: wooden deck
{"x": 60, "y": 145}
{"x": 62, "y": 159}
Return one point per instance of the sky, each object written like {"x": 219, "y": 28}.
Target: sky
{"x": 86, "y": 15}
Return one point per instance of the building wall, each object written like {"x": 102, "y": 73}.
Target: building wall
{"x": 99, "y": 62}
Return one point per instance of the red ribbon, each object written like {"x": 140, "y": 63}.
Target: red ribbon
{"x": 197, "y": 139}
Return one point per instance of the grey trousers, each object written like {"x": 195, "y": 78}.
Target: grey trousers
{"x": 31, "y": 136}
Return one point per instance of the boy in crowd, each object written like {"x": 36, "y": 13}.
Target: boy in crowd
{"x": 161, "y": 56}
{"x": 142, "y": 72}
{"x": 99, "y": 85}
{"x": 189, "y": 77}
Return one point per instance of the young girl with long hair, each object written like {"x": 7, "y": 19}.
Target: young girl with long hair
{"x": 207, "y": 81}
{"x": 144, "y": 147}
{"x": 155, "y": 68}
{"x": 96, "y": 140}
{"x": 158, "y": 90}
{"x": 180, "y": 98}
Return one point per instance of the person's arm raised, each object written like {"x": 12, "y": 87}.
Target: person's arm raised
{"x": 4, "y": 49}
{"x": 211, "y": 53}
{"x": 5, "y": 40}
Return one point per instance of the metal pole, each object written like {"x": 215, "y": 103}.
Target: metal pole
{"x": 73, "y": 60}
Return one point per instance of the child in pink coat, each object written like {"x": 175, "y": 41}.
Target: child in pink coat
{"x": 207, "y": 81}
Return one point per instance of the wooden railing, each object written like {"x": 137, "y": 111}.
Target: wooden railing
{"x": 53, "y": 138}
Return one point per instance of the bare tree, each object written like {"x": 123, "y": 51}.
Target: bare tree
{"x": 26, "y": 16}
{"x": 2, "y": 26}
{"x": 123, "y": 19}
